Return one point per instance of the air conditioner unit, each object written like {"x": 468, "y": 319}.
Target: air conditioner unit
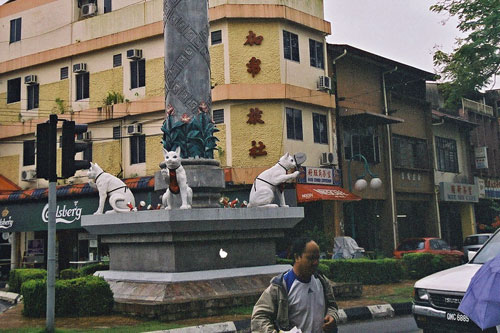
{"x": 87, "y": 136}
{"x": 134, "y": 129}
{"x": 324, "y": 83}
{"x": 79, "y": 68}
{"x": 30, "y": 79}
{"x": 28, "y": 175}
{"x": 88, "y": 9}
{"x": 134, "y": 54}
{"x": 327, "y": 158}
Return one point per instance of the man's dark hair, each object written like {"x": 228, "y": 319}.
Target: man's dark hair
{"x": 299, "y": 246}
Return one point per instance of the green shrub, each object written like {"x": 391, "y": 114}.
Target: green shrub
{"x": 18, "y": 276}
{"x": 281, "y": 261}
{"x": 68, "y": 274}
{"x": 85, "y": 296}
{"x": 34, "y": 298}
{"x": 366, "y": 271}
{"x": 91, "y": 269}
{"x": 418, "y": 265}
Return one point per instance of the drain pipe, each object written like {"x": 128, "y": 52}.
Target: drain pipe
{"x": 389, "y": 148}
{"x": 337, "y": 117}
{"x": 339, "y": 231}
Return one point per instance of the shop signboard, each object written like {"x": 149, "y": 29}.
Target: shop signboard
{"x": 492, "y": 188}
{"x": 458, "y": 192}
{"x": 481, "y": 157}
{"x": 33, "y": 216}
{"x": 323, "y": 176}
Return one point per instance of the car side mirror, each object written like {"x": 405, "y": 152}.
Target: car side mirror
{"x": 471, "y": 255}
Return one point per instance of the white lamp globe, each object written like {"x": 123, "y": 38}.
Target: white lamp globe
{"x": 360, "y": 185}
{"x": 376, "y": 183}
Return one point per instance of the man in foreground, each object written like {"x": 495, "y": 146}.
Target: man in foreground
{"x": 299, "y": 298}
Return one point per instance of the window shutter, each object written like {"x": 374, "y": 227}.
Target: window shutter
{"x": 133, "y": 150}
{"x": 142, "y": 73}
{"x": 312, "y": 52}
{"x": 133, "y": 74}
{"x": 86, "y": 85}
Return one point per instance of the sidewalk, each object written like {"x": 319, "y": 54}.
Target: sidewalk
{"x": 377, "y": 302}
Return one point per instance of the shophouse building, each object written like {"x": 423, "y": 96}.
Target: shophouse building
{"x": 454, "y": 180}
{"x": 382, "y": 115}
{"x": 101, "y": 62}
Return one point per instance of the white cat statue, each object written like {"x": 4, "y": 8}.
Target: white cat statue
{"x": 109, "y": 185}
{"x": 272, "y": 181}
{"x": 178, "y": 194}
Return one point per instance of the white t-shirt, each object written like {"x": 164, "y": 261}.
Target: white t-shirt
{"x": 306, "y": 303}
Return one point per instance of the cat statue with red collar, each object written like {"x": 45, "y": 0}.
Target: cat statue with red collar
{"x": 273, "y": 181}
{"x": 178, "y": 194}
{"x": 110, "y": 186}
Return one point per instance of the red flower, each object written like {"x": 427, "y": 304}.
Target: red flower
{"x": 170, "y": 110}
{"x": 185, "y": 118}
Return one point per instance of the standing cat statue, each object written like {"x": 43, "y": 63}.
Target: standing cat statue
{"x": 109, "y": 185}
{"x": 273, "y": 180}
{"x": 178, "y": 194}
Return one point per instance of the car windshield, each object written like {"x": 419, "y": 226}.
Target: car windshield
{"x": 475, "y": 240}
{"x": 411, "y": 245}
{"x": 488, "y": 251}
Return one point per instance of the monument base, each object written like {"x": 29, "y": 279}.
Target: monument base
{"x": 174, "y": 296}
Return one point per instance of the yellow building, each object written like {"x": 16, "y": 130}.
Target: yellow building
{"x": 101, "y": 62}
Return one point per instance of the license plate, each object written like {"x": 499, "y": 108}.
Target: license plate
{"x": 457, "y": 316}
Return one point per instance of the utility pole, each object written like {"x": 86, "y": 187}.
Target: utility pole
{"x": 46, "y": 168}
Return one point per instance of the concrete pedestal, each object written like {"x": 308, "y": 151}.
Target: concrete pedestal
{"x": 156, "y": 253}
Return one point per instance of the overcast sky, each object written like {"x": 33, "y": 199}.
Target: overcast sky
{"x": 402, "y": 30}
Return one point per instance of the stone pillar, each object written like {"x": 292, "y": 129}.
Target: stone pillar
{"x": 14, "y": 251}
{"x": 187, "y": 60}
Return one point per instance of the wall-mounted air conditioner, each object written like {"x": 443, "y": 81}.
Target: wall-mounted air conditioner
{"x": 30, "y": 79}
{"x": 134, "y": 54}
{"x": 134, "y": 129}
{"x": 327, "y": 158}
{"x": 324, "y": 83}
{"x": 79, "y": 68}
{"x": 88, "y": 9}
{"x": 28, "y": 175}
{"x": 87, "y": 136}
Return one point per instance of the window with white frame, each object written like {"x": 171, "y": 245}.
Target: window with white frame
{"x": 294, "y": 124}
{"x": 291, "y": 46}
{"x": 447, "y": 157}
{"x": 33, "y": 96}
{"x": 82, "y": 86}
{"x": 316, "y": 54}
{"x": 137, "y": 149}
{"x": 320, "y": 128}
{"x": 15, "y": 30}
{"x": 137, "y": 73}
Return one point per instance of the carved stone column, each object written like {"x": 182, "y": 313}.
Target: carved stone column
{"x": 187, "y": 60}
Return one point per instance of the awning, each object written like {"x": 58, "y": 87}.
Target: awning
{"x": 307, "y": 193}
{"x": 363, "y": 118}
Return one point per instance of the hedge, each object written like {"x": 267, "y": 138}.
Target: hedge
{"x": 365, "y": 271}
{"x": 91, "y": 269}
{"x": 418, "y": 265}
{"x": 68, "y": 274}
{"x": 18, "y": 276}
{"x": 85, "y": 296}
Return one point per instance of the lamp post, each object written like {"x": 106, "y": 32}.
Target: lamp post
{"x": 361, "y": 184}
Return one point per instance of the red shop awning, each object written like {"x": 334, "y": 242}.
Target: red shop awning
{"x": 307, "y": 193}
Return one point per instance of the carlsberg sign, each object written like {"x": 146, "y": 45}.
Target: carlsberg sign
{"x": 64, "y": 214}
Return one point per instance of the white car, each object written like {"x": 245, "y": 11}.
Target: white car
{"x": 438, "y": 296}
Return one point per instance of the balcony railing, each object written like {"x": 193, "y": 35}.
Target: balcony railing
{"x": 473, "y": 106}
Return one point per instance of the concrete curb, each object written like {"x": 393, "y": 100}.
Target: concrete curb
{"x": 346, "y": 315}
{"x": 11, "y": 298}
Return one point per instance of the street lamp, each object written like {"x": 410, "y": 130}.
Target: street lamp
{"x": 361, "y": 184}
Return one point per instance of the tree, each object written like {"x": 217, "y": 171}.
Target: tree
{"x": 476, "y": 58}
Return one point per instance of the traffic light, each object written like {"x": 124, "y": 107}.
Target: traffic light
{"x": 70, "y": 148}
{"x": 46, "y": 136}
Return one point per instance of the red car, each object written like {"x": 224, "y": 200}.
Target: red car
{"x": 426, "y": 245}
